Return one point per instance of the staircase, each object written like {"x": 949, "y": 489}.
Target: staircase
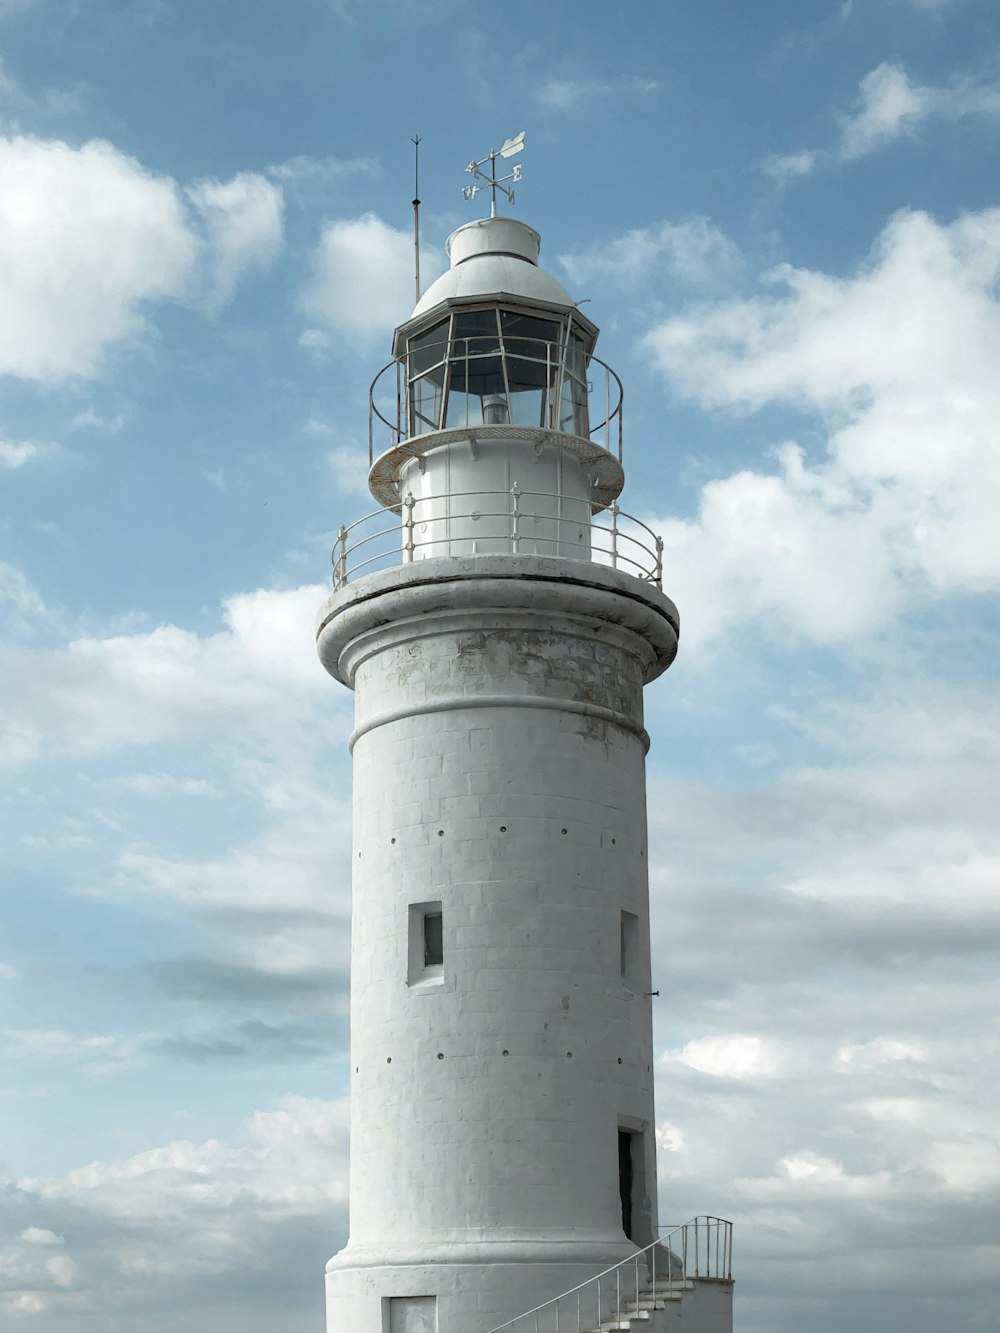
{"x": 657, "y": 1309}
{"x": 682, "y": 1281}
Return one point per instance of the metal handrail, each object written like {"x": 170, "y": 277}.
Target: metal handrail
{"x": 608, "y": 1283}
{"x": 457, "y": 351}
{"x": 639, "y": 557}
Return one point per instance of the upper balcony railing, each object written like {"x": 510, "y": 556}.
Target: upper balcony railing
{"x": 515, "y": 522}
{"x": 493, "y": 380}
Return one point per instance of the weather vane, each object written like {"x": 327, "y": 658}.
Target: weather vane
{"x": 509, "y": 148}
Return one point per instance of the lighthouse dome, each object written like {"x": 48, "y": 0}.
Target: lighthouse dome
{"x": 494, "y": 257}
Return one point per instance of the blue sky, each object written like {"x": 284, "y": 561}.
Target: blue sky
{"x": 785, "y": 217}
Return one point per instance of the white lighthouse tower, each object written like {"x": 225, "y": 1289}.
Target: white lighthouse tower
{"x": 497, "y": 619}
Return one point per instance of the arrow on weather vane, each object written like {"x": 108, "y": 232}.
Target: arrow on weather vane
{"x": 491, "y": 181}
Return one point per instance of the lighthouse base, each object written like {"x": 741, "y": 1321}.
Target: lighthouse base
{"x": 445, "y": 1298}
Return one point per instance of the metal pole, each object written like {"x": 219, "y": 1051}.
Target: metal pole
{"x": 607, "y": 410}
{"x": 613, "y": 510}
{"x": 416, "y": 211}
{"x": 408, "y": 528}
{"x": 659, "y": 563}
{"x": 339, "y": 564}
{"x": 515, "y": 519}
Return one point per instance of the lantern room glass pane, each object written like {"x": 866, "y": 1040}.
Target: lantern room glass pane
{"x": 471, "y": 380}
{"x": 427, "y": 349}
{"x": 526, "y": 336}
{"x": 425, "y": 399}
{"x": 481, "y": 327}
{"x": 573, "y": 407}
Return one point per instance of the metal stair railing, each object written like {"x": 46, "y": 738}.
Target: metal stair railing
{"x": 618, "y": 1293}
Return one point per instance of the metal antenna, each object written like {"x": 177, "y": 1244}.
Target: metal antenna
{"x": 509, "y": 148}
{"x": 416, "y": 211}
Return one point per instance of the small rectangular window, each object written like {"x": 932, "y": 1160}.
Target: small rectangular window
{"x": 425, "y": 946}
{"x": 433, "y": 939}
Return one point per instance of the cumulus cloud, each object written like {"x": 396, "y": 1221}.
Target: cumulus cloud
{"x": 96, "y": 695}
{"x": 90, "y": 240}
{"x": 694, "y": 253}
{"x": 898, "y": 361}
{"x": 105, "y": 1236}
{"x": 86, "y": 237}
{"x": 362, "y": 278}
{"x": 888, "y": 106}
{"x": 734, "y": 1055}
{"x": 14, "y": 455}
{"x": 243, "y": 221}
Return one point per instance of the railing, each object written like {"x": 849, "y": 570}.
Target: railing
{"x": 706, "y": 1246}
{"x": 638, "y": 1282}
{"x": 509, "y": 522}
{"x": 518, "y": 382}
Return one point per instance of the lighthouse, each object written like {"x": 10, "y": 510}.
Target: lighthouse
{"x": 497, "y": 618}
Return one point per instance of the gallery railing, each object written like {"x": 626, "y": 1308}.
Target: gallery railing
{"x": 511, "y": 522}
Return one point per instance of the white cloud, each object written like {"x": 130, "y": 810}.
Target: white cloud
{"x": 314, "y": 340}
{"x": 878, "y": 1051}
{"x": 361, "y": 283}
{"x": 243, "y": 220}
{"x": 899, "y": 361}
{"x": 8, "y": 972}
{"x": 694, "y": 253}
{"x": 811, "y": 1175}
{"x": 348, "y": 465}
{"x": 565, "y": 94}
{"x": 14, "y": 456}
{"x": 95, "y": 237}
{"x": 165, "y": 784}
{"x": 170, "y": 1218}
{"x": 288, "y": 866}
{"x": 787, "y": 166}
{"x": 304, "y": 170}
{"x": 734, "y": 1055}
{"x": 40, "y": 1236}
{"x": 90, "y": 239}
{"x": 96, "y": 1053}
{"x": 19, "y": 592}
{"x": 888, "y": 105}
{"x": 96, "y": 695}
{"x": 88, "y": 419}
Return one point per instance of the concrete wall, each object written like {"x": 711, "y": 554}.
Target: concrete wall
{"x": 498, "y": 772}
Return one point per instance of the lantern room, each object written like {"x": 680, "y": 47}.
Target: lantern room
{"x": 495, "y": 429}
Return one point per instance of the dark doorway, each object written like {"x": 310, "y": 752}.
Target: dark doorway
{"x": 625, "y": 1179}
